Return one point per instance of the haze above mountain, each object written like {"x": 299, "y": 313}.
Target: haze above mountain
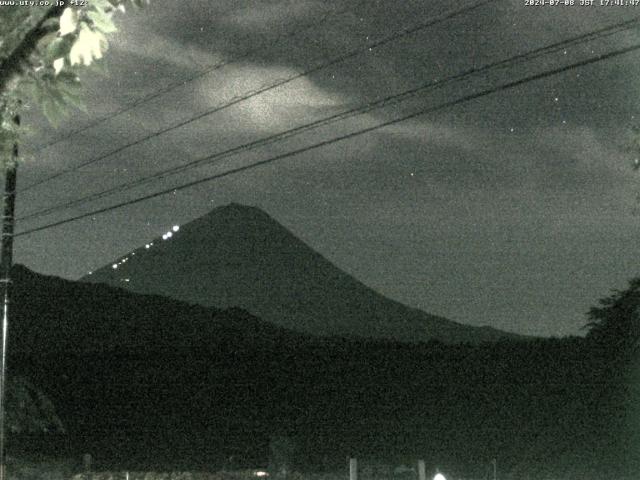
{"x": 240, "y": 256}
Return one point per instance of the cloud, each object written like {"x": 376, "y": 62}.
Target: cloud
{"x": 273, "y": 109}
{"x": 448, "y": 135}
{"x": 154, "y": 47}
{"x": 264, "y": 15}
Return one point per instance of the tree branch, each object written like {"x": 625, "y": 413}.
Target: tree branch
{"x": 12, "y": 66}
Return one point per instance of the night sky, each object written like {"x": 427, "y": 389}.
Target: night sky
{"x": 515, "y": 210}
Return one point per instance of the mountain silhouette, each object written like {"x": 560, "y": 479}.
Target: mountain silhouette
{"x": 240, "y": 256}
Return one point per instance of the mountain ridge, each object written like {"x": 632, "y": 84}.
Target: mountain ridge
{"x": 102, "y": 318}
{"x": 240, "y": 256}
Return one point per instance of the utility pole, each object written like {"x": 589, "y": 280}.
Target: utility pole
{"x": 494, "y": 462}
{"x": 6, "y": 261}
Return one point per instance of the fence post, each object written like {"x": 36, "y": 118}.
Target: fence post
{"x": 422, "y": 470}
{"x": 353, "y": 469}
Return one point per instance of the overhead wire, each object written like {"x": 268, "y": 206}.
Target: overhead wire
{"x": 279, "y": 83}
{"x": 466, "y": 98}
{"x": 206, "y": 71}
{"x": 349, "y": 113}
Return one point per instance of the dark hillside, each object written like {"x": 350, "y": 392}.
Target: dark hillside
{"x": 147, "y": 382}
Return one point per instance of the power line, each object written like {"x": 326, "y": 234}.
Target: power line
{"x": 391, "y": 99}
{"x": 236, "y": 100}
{"x": 357, "y": 133}
{"x": 178, "y": 84}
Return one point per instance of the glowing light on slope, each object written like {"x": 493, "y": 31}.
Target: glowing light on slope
{"x": 175, "y": 228}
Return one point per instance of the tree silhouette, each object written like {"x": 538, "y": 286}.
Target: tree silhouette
{"x": 616, "y": 322}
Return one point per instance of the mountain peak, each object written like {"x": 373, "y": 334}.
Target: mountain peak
{"x": 235, "y": 209}
{"x": 236, "y": 206}
{"x": 233, "y": 213}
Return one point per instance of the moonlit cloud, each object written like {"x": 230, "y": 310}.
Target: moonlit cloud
{"x": 461, "y": 137}
{"x": 269, "y": 15}
{"x": 156, "y": 47}
{"x": 275, "y": 108}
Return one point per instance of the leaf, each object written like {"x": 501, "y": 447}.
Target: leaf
{"x": 51, "y": 22}
{"x": 58, "y": 108}
{"x": 102, "y": 5}
{"x": 89, "y": 46}
{"x": 139, "y": 3}
{"x": 102, "y": 21}
{"x": 118, "y": 5}
{"x": 58, "y": 48}
{"x": 68, "y": 21}
{"x": 73, "y": 100}
{"x": 69, "y": 78}
{"x": 50, "y": 111}
{"x": 48, "y": 39}
{"x": 70, "y": 91}
{"x": 58, "y": 64}
{"x": 60, "y": 103}
{"x": 31, "y": 89}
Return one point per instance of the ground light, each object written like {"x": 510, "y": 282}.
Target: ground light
{"x": 439, "y": 476}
